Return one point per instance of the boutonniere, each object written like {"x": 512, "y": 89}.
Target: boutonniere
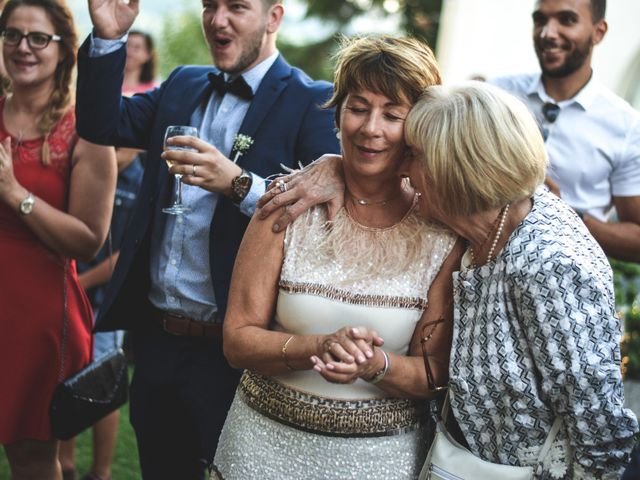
{"x": 241, "y": 143}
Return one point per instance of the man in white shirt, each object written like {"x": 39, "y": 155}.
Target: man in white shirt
{"x": 592, "y": 136}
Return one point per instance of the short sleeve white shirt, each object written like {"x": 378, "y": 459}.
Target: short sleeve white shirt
{"x": 593, "y": 146}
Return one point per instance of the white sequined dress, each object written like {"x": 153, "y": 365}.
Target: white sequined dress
{"x": 299, "y": 426}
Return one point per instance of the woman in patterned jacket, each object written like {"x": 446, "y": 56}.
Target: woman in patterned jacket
{"x": 536, "y": 336}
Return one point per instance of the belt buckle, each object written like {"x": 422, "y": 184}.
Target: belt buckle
{"x": 165, "y": 317}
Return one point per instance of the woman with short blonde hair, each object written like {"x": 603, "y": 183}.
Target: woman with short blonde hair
{"x": 482, "y": 146}
{"x": 536, "y": 331}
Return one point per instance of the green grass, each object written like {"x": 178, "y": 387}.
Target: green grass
{"x": 125, "y": 461}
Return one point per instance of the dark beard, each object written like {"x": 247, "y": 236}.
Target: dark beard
{"x": 249, "y": 55}
{"x": 573, "y": 62}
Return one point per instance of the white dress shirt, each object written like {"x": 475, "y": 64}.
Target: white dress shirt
{"x": 180, "y": 263}
{"x": 593, "y": 146}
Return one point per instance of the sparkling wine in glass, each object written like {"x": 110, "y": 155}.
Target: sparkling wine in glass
{"x": 173, "y": 131}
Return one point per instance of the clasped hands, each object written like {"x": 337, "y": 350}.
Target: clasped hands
{"x": 349, "y": 354}
{"x": 203, "y": 166}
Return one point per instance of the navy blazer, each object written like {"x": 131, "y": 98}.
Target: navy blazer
{"x": 284, "y": 119}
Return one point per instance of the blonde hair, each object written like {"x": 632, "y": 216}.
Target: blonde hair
{"x": 398, "y": 67}
{"x": 62, "y": 96}
{"x": 479, "y": 146}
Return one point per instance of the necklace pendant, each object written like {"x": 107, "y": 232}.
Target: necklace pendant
{"x": 363, "y": 202}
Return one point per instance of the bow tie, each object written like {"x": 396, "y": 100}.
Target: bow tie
{"x": 239, "y": 87}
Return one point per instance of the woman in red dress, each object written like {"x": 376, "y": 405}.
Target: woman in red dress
{"x": 56, "y": 194}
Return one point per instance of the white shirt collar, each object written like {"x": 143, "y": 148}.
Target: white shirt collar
{"x": 585, "y": 97}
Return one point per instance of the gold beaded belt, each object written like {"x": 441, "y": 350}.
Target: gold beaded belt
{"x": 376, "y": 417}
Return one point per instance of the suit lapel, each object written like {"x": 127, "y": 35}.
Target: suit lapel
{"x": 273, "y": 83}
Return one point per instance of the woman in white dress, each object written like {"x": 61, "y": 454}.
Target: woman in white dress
{"x": 326, "y": 317}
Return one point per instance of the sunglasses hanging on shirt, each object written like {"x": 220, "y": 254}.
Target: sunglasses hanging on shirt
{"x": 550, "y": 112}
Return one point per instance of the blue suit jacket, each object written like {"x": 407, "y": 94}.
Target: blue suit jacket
{"x": 284, "y": 119}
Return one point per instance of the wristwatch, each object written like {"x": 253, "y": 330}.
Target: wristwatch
{"x": 26, "y": 205}
{"x": 240, "y": 186}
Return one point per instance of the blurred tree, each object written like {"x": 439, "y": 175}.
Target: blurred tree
{"x": 183, "y": 43}
{"x": 420, "y": 18}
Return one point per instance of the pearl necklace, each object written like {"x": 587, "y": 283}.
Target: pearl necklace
{"x": 494, "y": 243}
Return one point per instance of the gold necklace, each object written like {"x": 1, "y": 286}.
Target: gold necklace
{"x": 366, "y": 203}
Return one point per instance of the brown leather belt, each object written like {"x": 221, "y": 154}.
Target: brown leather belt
{"x": 187, "y": 327}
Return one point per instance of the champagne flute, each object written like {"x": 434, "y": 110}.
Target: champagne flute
{"x": 172, "y": 131}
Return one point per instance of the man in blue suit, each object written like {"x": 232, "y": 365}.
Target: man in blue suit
{"x": 171, "y": 282}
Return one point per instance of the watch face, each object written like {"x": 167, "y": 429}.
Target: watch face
{"x": 244, "y": 183}
{"x": 26, "y": 206}
{"x": 240, "y": 186}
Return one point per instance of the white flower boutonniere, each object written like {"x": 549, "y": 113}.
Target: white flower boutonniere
{"x": 241, "y": 143}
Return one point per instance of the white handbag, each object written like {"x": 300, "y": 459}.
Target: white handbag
{"x": 448, "y": 460}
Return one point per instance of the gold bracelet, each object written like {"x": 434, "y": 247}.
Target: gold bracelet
{"x": 284, "y": 352}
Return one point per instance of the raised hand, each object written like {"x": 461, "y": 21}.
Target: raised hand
{"x": 112, "y": 18}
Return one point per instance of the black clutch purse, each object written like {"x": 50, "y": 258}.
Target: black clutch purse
{"x": 89, "y": 395}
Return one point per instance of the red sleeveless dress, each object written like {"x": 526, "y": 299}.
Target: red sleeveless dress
{"x": 45, "y": 316}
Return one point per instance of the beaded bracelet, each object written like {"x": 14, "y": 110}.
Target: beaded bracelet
{"x": 284, "y": 352}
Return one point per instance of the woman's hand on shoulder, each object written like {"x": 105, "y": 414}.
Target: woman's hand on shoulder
{"x": 290, "y": 196}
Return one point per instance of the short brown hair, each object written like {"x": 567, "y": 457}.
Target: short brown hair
{"x": 480, "y": 147}
{"x": 598, "y": 10}
{"x": 398, "y": 67}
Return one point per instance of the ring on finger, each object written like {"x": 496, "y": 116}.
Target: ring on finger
{"x": 280, "y": 185}
{"x": 193, "y": 167}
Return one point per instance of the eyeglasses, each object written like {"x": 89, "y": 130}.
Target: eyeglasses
{"x": 426, "y": 336}
{"x": 550, "y": 112}
{"x": 36, "y": 40}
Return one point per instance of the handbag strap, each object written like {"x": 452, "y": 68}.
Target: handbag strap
{"x": 445, "y": 407}
{"x": 551, "y": 436}
{"x": 65, "y": 320}
{"x": 111, "y": 269}
{"x": 555, "y": 428}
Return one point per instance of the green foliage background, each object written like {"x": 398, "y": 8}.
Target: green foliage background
{"x": 627, "y": 289}
{"x": 182, "y": 40}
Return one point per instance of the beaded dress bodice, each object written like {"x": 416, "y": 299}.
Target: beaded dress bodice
{"x": 297, "y": 424}
{"x": 345, "y": 274}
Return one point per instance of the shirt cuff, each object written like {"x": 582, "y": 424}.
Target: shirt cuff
{"x": 99, "y": 47}
{"x": 249, "y": 203}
